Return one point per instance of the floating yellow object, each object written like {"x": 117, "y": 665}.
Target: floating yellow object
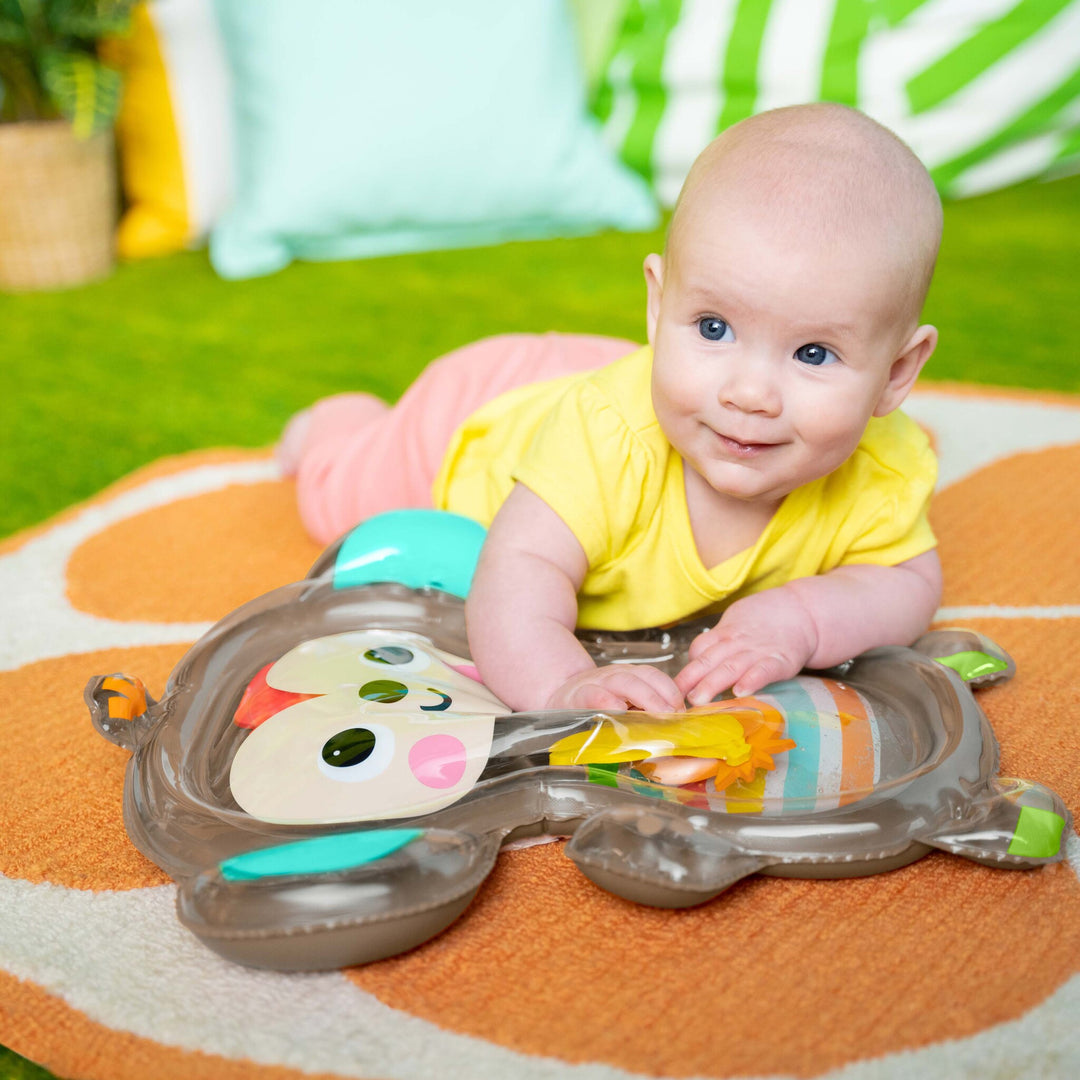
{"x": 713, "y": 734}
{"x": 732, "y": 739}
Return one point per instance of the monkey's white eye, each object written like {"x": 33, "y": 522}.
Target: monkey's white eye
{"x": 357, "y": 753}
{"x": 399, "y": 657}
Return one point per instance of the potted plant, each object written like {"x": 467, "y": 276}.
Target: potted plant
{"x": 58, "y": 101}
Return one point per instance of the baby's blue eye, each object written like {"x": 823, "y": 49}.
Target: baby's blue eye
{"x": 713, "y": 329}
{"x": 815, "y": 355}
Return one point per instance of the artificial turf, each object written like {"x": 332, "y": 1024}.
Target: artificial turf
{"x": 163, "y": 356}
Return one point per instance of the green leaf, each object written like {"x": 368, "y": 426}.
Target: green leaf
{"x": 15, "y": 27}
{"x": 21, "y": 96}
{"x": 12, "y": 33}
{"x": 82, "y": 88}
{"x": 49, "y": 63}
{"x": 89, "y": 20}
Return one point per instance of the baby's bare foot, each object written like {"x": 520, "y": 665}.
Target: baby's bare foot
{"x": 339, "y": 414}
{"x": 290, "y": 447}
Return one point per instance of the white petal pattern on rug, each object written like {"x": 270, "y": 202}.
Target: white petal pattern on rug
{"x": 971, "y": 432}
{"x": 39, "y": 621}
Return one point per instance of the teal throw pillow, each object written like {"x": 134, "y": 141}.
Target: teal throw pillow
{"x": 371, "y": 127}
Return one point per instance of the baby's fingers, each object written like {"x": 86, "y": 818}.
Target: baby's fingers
{"x": 614, "y": 690}
{"x": 618, "y": 687}
{"x": 691, "y": 675}
{"x": 707, "y": 661}
{"x": 593, "y": 697}
{"x": 718, "y": 676}
{"x": 664, "y": 686}
{"x": 637, "y": 690}
{"x": 707, "y": 639}
{"x": 765, "y": 670}
{"x": 744, "y": 673}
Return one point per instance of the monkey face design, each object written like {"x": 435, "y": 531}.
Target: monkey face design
{"x": 366, "y": 725}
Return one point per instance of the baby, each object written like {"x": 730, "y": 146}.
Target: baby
{"x": 749, "y": 463}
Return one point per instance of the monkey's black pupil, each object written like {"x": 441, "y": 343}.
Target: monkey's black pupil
{"x": 349, "y": 747}
{"x": 388, "y": 654}
{"x": 383, "y": 690}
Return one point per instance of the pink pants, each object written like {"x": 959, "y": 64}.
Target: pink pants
{"x": 362, "y": 456}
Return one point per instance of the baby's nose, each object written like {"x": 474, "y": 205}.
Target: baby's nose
{"x": 752, "y": 387}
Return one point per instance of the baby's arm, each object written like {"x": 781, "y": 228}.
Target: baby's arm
{"x": 812, "y": 622}
{"x": 521, "y": 612}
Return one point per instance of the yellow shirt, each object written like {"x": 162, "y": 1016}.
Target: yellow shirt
{"x": 591, "y": 447}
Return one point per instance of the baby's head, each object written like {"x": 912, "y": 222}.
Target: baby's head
{"x": 784, "y": 312}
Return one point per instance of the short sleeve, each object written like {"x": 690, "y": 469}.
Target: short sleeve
{"x": 592, "y": 469}
{"x": 889, "y": 523}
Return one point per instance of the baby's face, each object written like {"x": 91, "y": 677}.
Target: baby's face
{"x": 769, "y": 359}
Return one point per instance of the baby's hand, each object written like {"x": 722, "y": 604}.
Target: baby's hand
{"x": 760, "y": 639}
{"x": 619, "y": 686}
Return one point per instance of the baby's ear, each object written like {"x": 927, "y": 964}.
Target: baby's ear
{"x": 654, "y": 283}
{"x": 905, "y": 369}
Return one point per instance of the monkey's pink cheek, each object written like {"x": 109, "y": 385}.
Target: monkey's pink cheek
{"x": 438, "y": 761}
{"x": 468, "y": 669}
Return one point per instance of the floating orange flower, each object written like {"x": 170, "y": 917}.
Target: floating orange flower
{"x": 762, "y": 728}
{"x": 764, "y": 737}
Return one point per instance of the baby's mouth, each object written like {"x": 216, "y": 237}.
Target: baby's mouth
{"x": 742, "y": 449}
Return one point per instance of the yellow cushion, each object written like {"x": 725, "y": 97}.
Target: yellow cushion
{"x": 173, "y": 130}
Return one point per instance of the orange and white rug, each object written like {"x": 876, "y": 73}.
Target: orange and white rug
{"x": 943, "y": 969}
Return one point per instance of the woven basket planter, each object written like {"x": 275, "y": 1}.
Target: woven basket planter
{"x": 57, "y": 206}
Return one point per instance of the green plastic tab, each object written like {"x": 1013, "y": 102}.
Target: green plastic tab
{"x": 320, "y": 855}
{"x": 971, "y": 665}
{"x": 606, "y": 774}
{"x": 1038, "y": 833}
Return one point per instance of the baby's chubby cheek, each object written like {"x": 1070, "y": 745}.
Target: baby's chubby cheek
{"x": 680, "y": 415}
{"x": 832, "y": 419}
{"x": 830, "y": 434}
{"x": 832, "y": 439}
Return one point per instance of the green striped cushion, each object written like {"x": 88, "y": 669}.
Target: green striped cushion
{"x": 987, "y": 92}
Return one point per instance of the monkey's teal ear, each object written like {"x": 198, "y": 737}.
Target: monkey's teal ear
{"x": 418, "y": 548}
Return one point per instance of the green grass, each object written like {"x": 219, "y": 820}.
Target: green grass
{"x": 164, "y": 356}
{"x": 13, "y": 1067}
